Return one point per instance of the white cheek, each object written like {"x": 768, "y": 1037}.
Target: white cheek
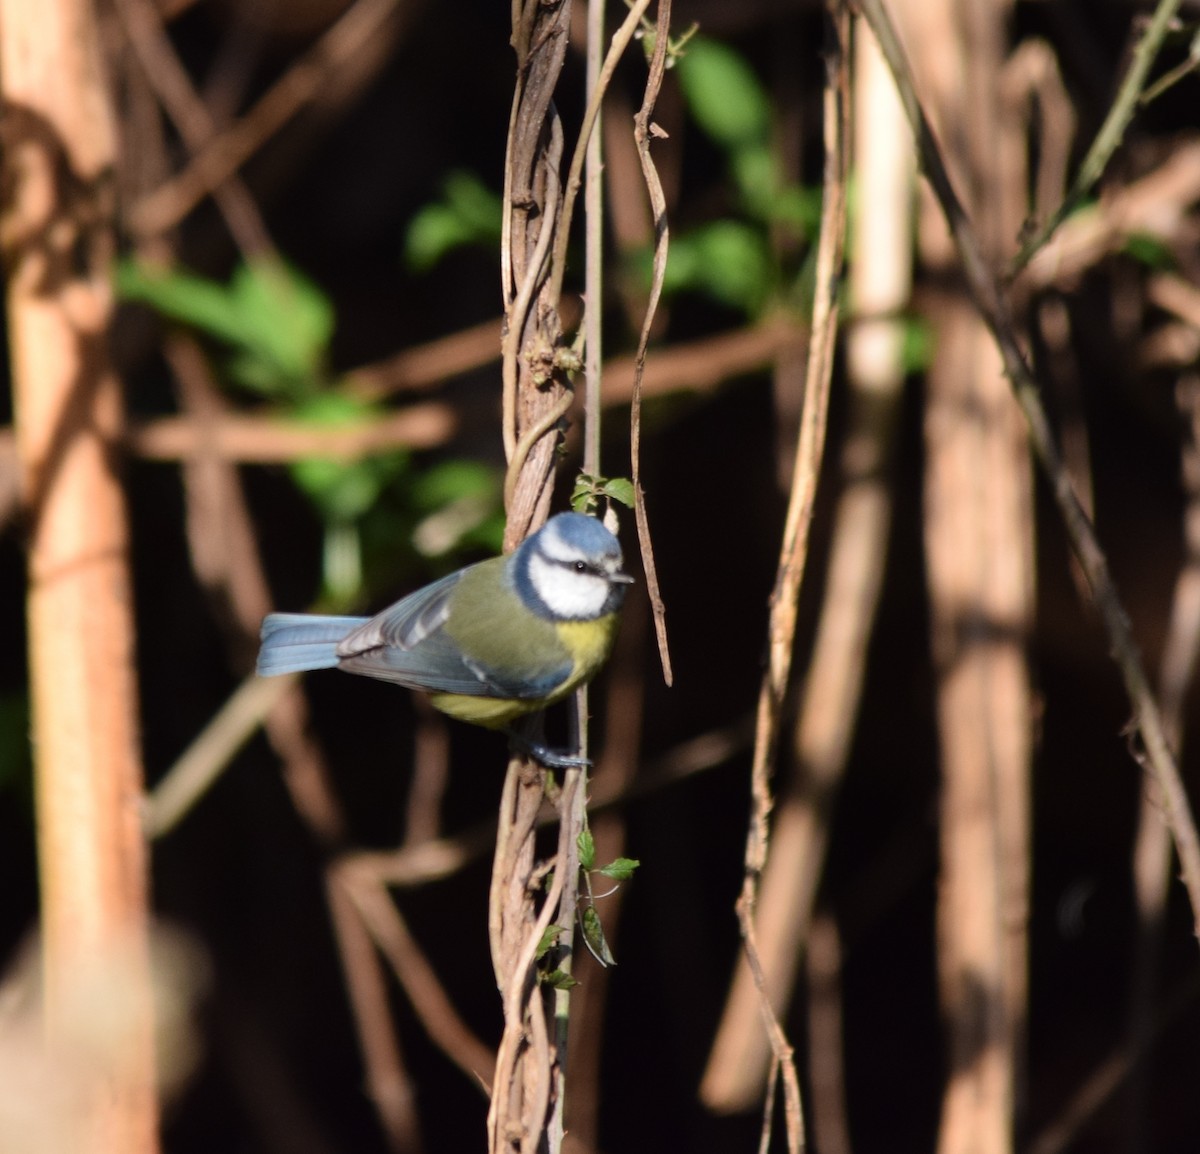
{"x": 567, "y": 593}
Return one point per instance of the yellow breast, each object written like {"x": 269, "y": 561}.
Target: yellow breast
{"x": 589, "y": 644}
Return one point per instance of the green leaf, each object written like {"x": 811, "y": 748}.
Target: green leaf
{"x": 559, "y": 980}
{"x": 475, "y": 203}
{"x": 192, "y": 300}
{"x": 1150, "y": 251}
{"x": 288, "y": 320}
{"x": 620, "y": 869}
{"x": 588, "y": 490}
{"x": 586, "y": 845}
{"x": 276, "y": 323}
{"x": 755, "y": 171}
{"x": 727, "y": 260}
{"x": 433, "y": 232}
{"x": 916, "y": 345}
{"x": 450, "y": 481}
{"x": 723, "y": 94}
{"x": 593, "y": 936}
{"x": 799, "y": 208}
{"x": 619, "y": 489}
{"x": 548, "y": 940}
{"x": 468, "y": 213}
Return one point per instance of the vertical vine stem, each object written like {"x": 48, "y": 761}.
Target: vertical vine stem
{"x": 794, "y": 549}
{"x": 984, "y": 287}
{"x": 644, "y": 130}
{"x": 528, "y": 1091}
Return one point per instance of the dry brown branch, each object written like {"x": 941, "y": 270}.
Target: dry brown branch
{"x": 620, "y": 41}
{"x": 414, "y": 971}
{"x": 1154, "y": 205}
{"x": 879, "y": 283}
{"x": 223, "y": 155}
{"x": 273, "y": 440}
{"x": 56, "y": 232}
{"x": 431, "y": 773}
{"x": 428, "y": 365}
{"x": 1175, "y": 295}
{"x": 794, "y": 548}
{"x": 1152, "y": 845}
{"x": 695, "y": 367}
{"x": 643, "y": 131}
{"x": 614, "y": 775}
{"x": 535, "y": 396}
{"x": 826, "y": 1029}
{"x": 1112, "y": 131}
{"x": 978, "y": 550}
{"x": 220, "y": 533}
{"x": 388, "y": 1082}
{"x": 170, "y": 81}
{"x": 986, "y": 292}
{"x": 519, "y": 1113}
{"x": 1031, "y": 75}
{"x": 203, "y": 761}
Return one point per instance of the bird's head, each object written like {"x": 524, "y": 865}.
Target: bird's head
{"x": 571, "y": 570}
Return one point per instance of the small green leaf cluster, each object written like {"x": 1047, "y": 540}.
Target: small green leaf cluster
{"x": 274, "y": 323}
{"x": 590, "y": 490}
{"x": 269, "y": 330}
{"x": 468, "y": 213}
{"x": 619, "y": 869}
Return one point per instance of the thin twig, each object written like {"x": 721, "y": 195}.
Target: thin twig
{"x": 620, "y": 42}
{"x": 143, "y": 25}
{"x": 593, "y": 271}
{"x": 223, "y": 155}
{"x": 274, "y": 440}
{"x": 643, "y": 131}
{"x": 985, "y": 290}
{"x": 573, "y": 799}
{"x": 413, "y": 970}
{"x": 517, "y": 312}
{"x": 1152, "y": 844}
{"x": 879, "y": 285}
{"x": 1112, "y": 131}
{"x": 794, "y": 549}
{"x": 206, "y": 758}
{"x": 388, "y": 1082}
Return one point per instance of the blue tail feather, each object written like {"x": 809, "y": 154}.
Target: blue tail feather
{"x": 294, "y": 642}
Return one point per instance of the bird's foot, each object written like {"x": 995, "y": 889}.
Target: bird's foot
{"x": 544, "y": 755}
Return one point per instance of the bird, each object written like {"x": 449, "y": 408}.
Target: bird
{"x": 490, "y": 643}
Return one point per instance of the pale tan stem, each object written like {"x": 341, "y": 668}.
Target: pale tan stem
{"x": 58, "y": 151}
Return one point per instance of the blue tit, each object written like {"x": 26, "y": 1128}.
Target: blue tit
{"x": 489, "y": 643}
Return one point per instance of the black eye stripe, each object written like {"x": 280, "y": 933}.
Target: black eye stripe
{"x": 578, "y": 565}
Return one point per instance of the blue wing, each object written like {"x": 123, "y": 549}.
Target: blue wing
{"x": 407, "y": 644}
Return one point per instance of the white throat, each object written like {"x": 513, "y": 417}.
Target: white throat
{"x": 565, "y": 592}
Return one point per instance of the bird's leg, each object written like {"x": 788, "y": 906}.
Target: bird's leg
{"x": 551, "y": 758}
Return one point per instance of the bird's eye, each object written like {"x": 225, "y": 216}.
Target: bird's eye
{"x": 581, "y": 567}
